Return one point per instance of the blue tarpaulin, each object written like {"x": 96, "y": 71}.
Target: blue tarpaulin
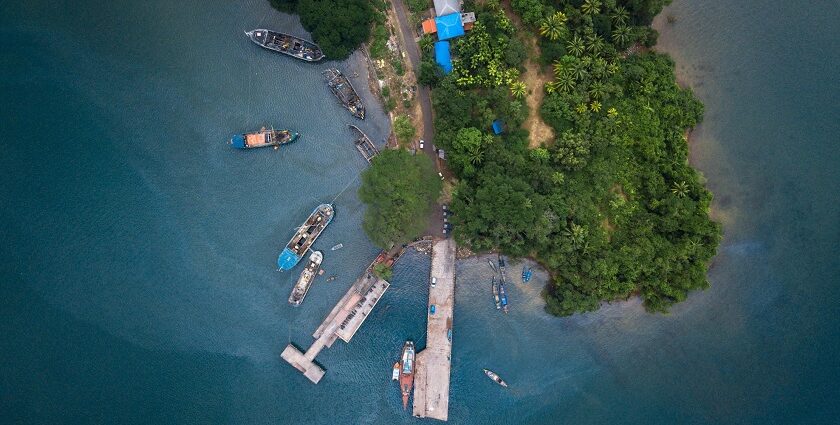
{"x": 238, "y": 141}
{"x": 449, "y": 26}
{"x": 442, "y": 56}
{"x": 497, "y": 126}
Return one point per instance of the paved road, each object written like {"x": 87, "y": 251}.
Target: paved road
{"x": 435, "y": 227}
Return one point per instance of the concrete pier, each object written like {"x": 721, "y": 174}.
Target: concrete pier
{"x": 431, "y": 379}
{"x": 343, "y": 321}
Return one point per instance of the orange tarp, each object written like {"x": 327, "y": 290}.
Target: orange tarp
{"x": 429, "y": 26}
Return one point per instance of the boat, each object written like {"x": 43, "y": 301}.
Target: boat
{"x": 305, "y": 236}
{"x": 287, "y": 44}
{"x": 364, "y": 145}
{"x": 526, "y": 274}
{"x": 407, "y": 372}
{"x": 344, "y": 91}
{"x": 306, "y": 277}
{"x": 502, "y": 268}
{"x": 496, "y": 293}
{"x": 339, "y": 246}
{"x": 503, "y": 297}
{"x": 263, "y": 138}
{"x": 331, "y": 278}
{"x": 496, "y": 378}
{"x": 492, "y": 267}
{"x": 395, "y": 373}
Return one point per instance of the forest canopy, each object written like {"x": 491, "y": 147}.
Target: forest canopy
{"x": 337, "y": 26}
{"x": 610, "y": 205}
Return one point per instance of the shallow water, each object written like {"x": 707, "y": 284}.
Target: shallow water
{"x": 138, "y": 266}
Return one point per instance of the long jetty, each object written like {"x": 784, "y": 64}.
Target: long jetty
{"x": 343, "y": 321}
{"x": 364, "y": 145}
{"x": 434, "y": 363}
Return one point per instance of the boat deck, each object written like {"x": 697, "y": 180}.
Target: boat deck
{"x": 358, "y": 302}
{"x": 434, "y": 363}
{"x": 364, "y": 145}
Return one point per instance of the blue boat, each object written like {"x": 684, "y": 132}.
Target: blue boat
{"x": 305, "y": 236}
{"x": 503, "y": 297}
{"x": 526, "y": 274}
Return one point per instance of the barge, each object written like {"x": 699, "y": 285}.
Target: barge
{"x": 308, "y": 274}
{"x": 263, "y": 138}
{"x": 344, "y": 92}
{"x": 305, "y": 236}
{"x": 295, "y": 47}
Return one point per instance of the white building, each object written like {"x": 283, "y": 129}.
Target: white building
{"x": 445, "y": 7}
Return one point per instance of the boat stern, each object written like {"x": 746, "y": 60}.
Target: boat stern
{"x": 287, "y": 260}
{"x": 238, "y": 141}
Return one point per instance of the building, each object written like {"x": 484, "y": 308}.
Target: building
{"x": 442, "y": 56}
{"x": 445, "y": 7}
{"x": 449, "y": 26}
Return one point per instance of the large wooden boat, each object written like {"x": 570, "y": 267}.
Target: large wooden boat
{"x": 305, "y": 236}
{"x": 295, "y": 47}
{"x": 263, "y": 138}
{"x": 344, "y": 91}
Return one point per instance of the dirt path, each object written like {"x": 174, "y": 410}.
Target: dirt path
{"x": 538, "y": 131}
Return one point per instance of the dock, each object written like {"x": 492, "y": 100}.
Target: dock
{"x": 431, "y": 379}
{"x": 342, "y": 322}
{"x": 364, "y": 145}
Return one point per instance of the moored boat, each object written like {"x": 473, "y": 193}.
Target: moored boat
{"x": 492, "y": 267}
{"x": 496, "y": 378}
{"x": 263, "y": 138}
{"x": 503, "y": 297}
{"x": 526, "y": 274}
{"x": 308, "y": 274}
{"x": 335, "y": 247}
{"x": 305, "y": 236}
{"x": 407, "y": 372}
{"x": 295, "y": 47}
{"x": 395, "y": 373}
{"x": 344, "y": 92}
{"x": 496, "y": 293}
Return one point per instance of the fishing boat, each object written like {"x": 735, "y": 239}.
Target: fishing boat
{"x": 306, "y": 277}
{"x": 287, "y": 44}
{"x": 305, "y": 236}
{"x": 263, "y": 138}
{"x": 492, "y": 266}
{"x": 344, "y": 92}
{"x": 503, "y": 298}
{"x": 407, "y": 372}
{"x": 331, "y": 278}
{"x": 339, "y": 246}
{"x": 496, "y": 378}
{"x": 496, "y": 293}
{"x": 526, "y": 274}
{"x": 395, "y": 373}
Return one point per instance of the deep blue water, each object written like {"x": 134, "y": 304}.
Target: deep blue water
{"x": 138, "y": 276}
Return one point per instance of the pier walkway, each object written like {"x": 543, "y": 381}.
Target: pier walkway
{"x": 431, "y": 379}
{"x": 343, "y": 321}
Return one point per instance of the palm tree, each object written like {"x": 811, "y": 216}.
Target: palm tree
{"x": 595, "y": 106}
{"x": 619, "y": 15}
{"x": 576, "y": 46}
{"x": 518, "y": 89}
{"x": 612, "y": 68}
{"x": 621, "y": 35}
{"x": 475, "y": 155}
{"x": 581, "y": 108}
{"x": 426, "y": 43}
{"x": 565, "y": 82}
{"x": 558, "y": 69}
{"x": 552, "y": 26}
{"x": 597, "y": 90}
{"x": 591, "y": 7}
{"x": 680, "y": 189}
{"x": 612, "y": 112}
{"x": 594, "y": 44}
{"x": 576, "y": 234}
{"x": 579, "y": 71}
{"x": 550, "y": 87}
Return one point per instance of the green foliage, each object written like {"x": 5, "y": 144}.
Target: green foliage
{"x": 430, "y": 73}
{"x": 418, "y": 6}
{"x": 481, "y": 54}
{"x": 378, "y": 45}
{"x": 398, "y": 189}
{"x": 382, "y": 271}
{"x": 338, "y": 26}
{"x": 386, "y": 91}
{"x": 404, "y": 130}
{"x": 390, "y": 104}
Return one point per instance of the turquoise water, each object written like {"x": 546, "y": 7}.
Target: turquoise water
{"x": 138, "y": 276}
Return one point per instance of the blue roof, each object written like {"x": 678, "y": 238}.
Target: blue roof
{"x": 238, "y": 141}
{"x": 442, "y": 56}
{"x": 449, "y": 26}
{"x": 287, "y": 259}
{"x": 497, "y": 126}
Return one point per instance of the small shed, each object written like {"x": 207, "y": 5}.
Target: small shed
{"x": 442, "y": 56}
{"x": 429, "y": 26}
{"x": 497, "y": 126}
{"x": 449, "y": 26}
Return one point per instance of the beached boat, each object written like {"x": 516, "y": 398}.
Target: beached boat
{"x": 364, "y": 145}
{"x": 492, "y": 266}
{"x": 263, "y": 138}
{"x": 496, "y": 293}
{"x": 287, "y": 44}
{"x": 305, "y": 236}
{"x": 406, "y": 373}
{"x": 344, "y": 91}
{"x": 526, "y": 274}
{"x": 503, "y": 300}
{"x": 308, "y": 274}
{"x": 496, "y": 378}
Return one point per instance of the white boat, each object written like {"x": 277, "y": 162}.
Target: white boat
{"x": 339, "y": 246}
{"x": 306, "y": 277}
{"x": 395, "y": 374}
{"x": 492, "y": 375}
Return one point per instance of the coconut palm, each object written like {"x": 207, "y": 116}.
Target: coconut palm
{"x": 591, "y": 7}
{"x": 518, "y": 89}
{"x": 594, "y": 44}
{"x": 558, "y": 69}
{"x": 595, "y": 106}
{"x": 576, "y": 234}
{"x": 579, "y": 71}
{"x": 621, "y": 35}
{"x": 581, "y": 108}
{"x": 599, "y": 67}
{"x": 475, "y": 154}
{"x": 550, "y": 87}
{"x": 565, "y": 82}
{"x": 619, "y": 15}
{"x": 612, "y": 68}
{"x": 680, "y": 189}
{"x": 552, "y": 27}
{"x": 576, "y": 46}
{"x": 612, "y": 112}
{"x": 597, "y": 90}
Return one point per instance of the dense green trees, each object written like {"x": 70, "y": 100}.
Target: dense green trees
{"x": 610, "y": 207}
{"x": 338, "y": 26}
{"x": 398, "y": 189}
